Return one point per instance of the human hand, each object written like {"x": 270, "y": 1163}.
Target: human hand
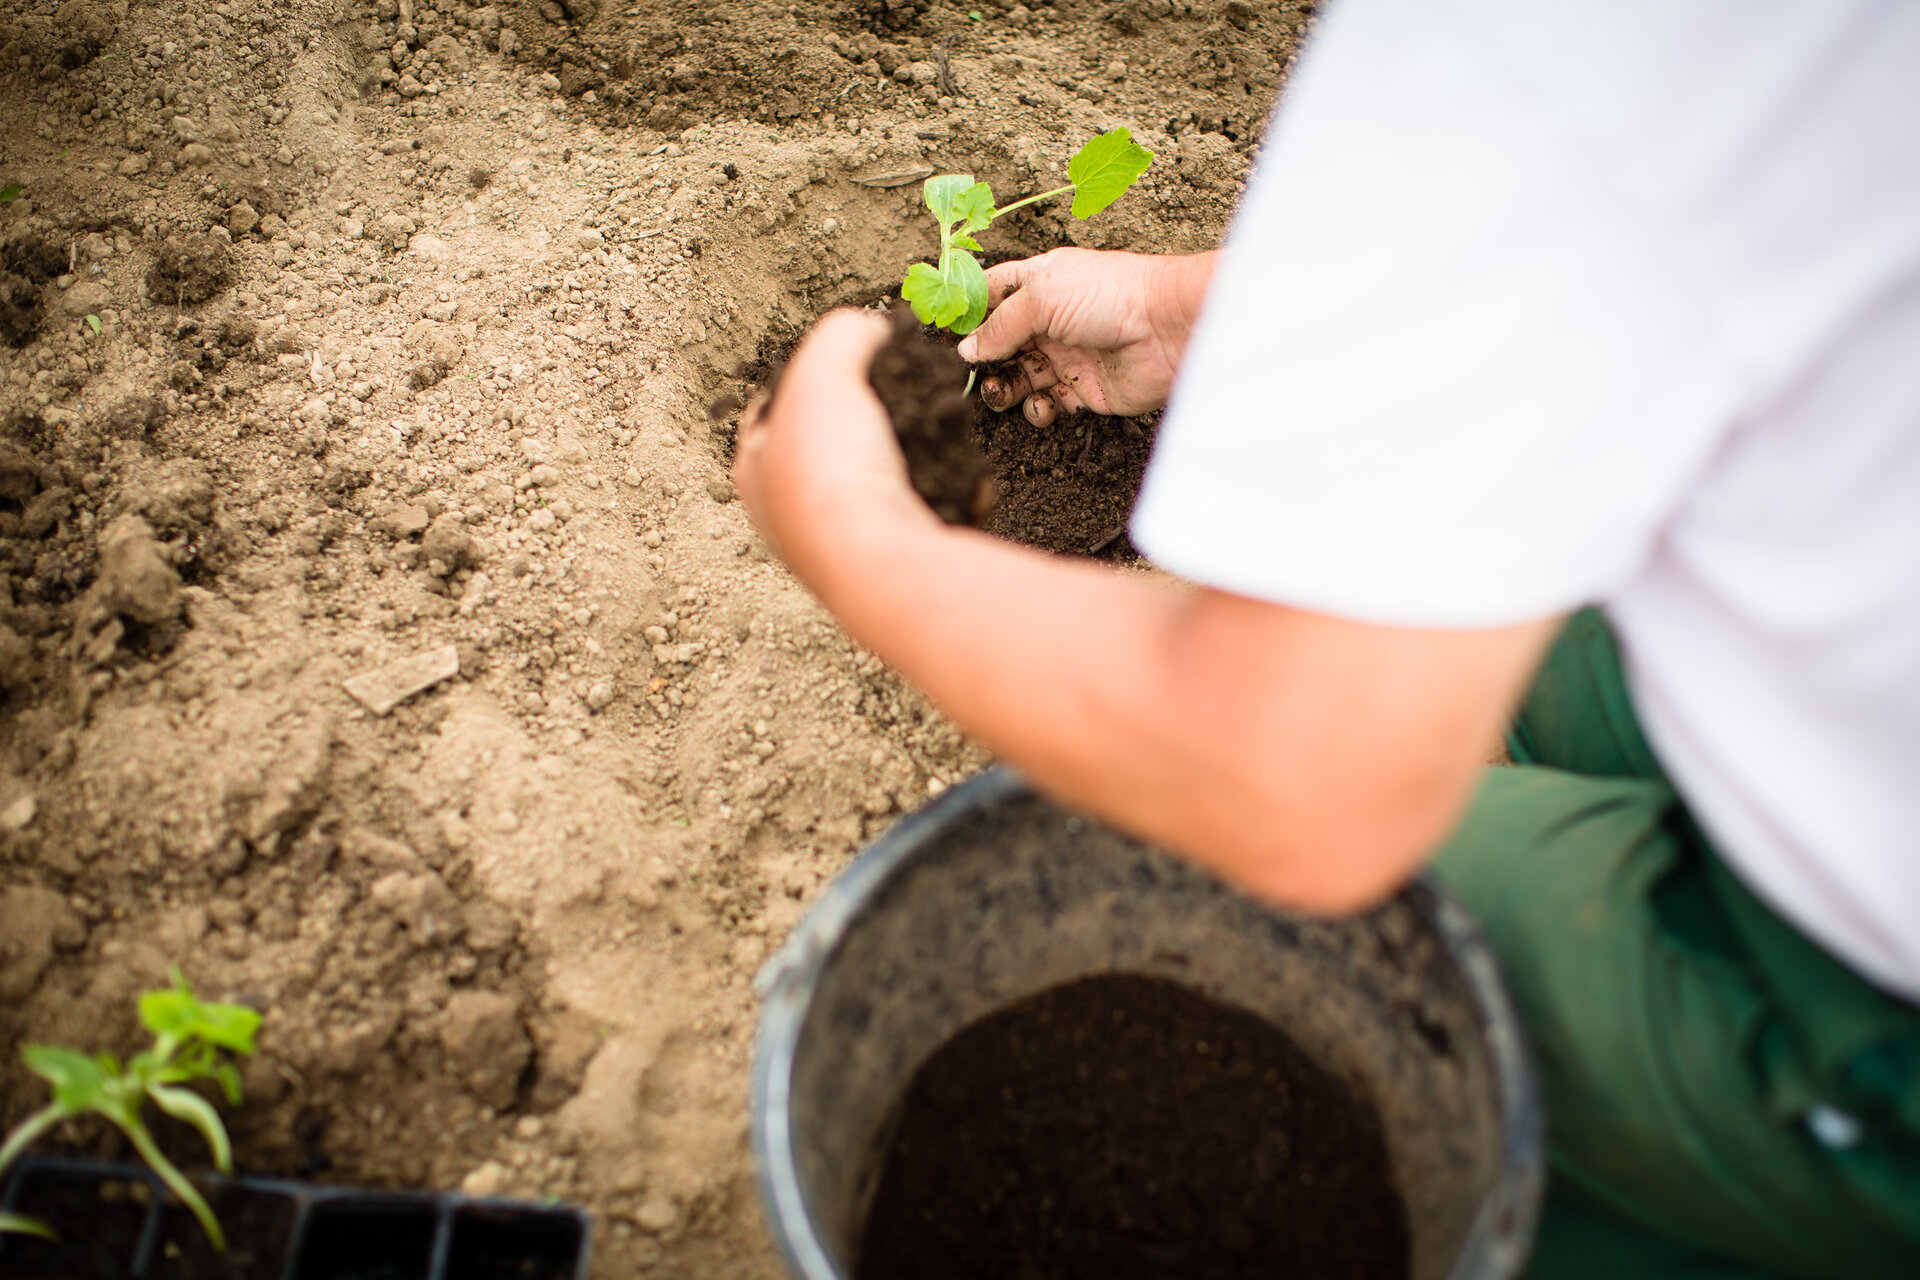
{"x": 818, "y": 464}
{"x": 1092, "y": 330}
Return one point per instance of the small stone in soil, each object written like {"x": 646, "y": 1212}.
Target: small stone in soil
{"x": 384, "y": 688}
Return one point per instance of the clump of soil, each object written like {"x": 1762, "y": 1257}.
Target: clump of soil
{"x": 188, "y": 268}
{"x": 1123, "y": 1126}
{"x": 20, "y": 309}
{"x": 923, "y": 386}
{"x": 26, "y": 264}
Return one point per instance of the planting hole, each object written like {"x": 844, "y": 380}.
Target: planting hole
{"x": 366, "y": 1239}
{"x": 1124, "y": 1126}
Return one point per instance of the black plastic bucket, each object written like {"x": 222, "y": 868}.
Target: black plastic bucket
{"x": 990, "y": 895}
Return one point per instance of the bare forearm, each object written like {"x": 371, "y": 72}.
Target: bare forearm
{"x": 1134, "y": 698}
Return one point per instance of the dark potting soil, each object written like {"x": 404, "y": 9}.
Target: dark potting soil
{"x": 259, "y": 1231}
{"x": 98, "y": 1222}
{"x": 1125, "y": 1128}
{"x": 1067, "y": 488}
{"x": 923, "y": 385}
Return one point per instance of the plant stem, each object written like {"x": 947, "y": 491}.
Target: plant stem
{"x": 21, "y": 1224}
{"x": 144, "y": 1144}
{"x": 1044, "y": 195}
{"x": 30, "y": 1128}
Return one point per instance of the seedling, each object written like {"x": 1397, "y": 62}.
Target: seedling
{"x": 953, "y": 295}
{"x": 190, "y": 1040}
{"x": 10, "y": 192}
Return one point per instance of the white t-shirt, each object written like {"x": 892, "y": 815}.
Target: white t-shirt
{"x": 1535, "y": 304}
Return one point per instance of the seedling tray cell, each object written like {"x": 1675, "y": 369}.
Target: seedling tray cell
{"x": 116, "y": 1222}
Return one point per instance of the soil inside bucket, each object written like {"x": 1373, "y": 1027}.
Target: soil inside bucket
{"x": 1121, "y": 1127}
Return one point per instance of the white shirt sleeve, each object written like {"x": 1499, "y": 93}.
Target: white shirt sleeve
{"x": 1467, "y": 343}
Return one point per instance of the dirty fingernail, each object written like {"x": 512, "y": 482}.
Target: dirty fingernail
{"x": 1040, "y": 410}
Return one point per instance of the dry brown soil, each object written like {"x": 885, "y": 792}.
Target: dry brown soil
{"x": 334, "y": 335}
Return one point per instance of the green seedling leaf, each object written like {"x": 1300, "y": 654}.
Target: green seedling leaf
{"x": 955, "y": 300}
{"x": 942, "y": 195}
{"x": 198, "y": 1112}
{"x": 21, "y": 1224}
{"x": 1102, "y": 170}
{"x": 936, "y": 300}
{"x": 190, "y": 1038}
{"x": 167, "y": 1012}
{"x": 10, "y": 192}
{"x": 974, "y": 207}
{"x": 93, "y": 322}
{"x": 177, "y": 1013}
{"x": 79, "y": 1082}
{"x": 972, "y": 278}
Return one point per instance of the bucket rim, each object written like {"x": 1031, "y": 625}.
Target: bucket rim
{"x": 1501, "y": 1235}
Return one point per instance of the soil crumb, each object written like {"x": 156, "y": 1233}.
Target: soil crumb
{"x": 923, "y": 385}
{"x": 1123, "y": 1127}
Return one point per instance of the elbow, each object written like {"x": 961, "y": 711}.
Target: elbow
{"x": 1346, "y": 865}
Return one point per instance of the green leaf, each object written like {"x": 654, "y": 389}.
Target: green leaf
{"x": 168, "y": 1012}
{"x": 229, "y": 1080}
{"x": 228, "y": 1026}
{"x": 175, "y": 1012}
{"x": 942, "y": 194}
{"x": 10, "y": 192}
{"x": 972, "y": 279}
{"x": 974, "y": 207}
{"x": 936, "y": 300}
{"x": 954, "y": 298}
{"x": 94, "y": 323}
{"x": 1102, "y": 170}
{"x": 182, "y": 1104}
{"x": 78, "y": 1081}
{"x": 966, "y": 242}
{"x": 21, "y": 1224}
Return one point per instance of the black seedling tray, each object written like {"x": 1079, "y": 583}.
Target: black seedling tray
{"x": 117, "y": 1222}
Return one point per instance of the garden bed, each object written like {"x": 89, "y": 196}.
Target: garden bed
{"x": 379, "y": 640}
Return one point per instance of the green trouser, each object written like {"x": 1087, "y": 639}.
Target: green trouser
{"x": 1724, "y": 1099}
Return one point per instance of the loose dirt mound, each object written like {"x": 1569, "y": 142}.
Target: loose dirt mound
{"x": 503, "y": 931}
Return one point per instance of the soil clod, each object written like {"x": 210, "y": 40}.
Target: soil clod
{"x": 188, "y": 268}
{"x": 923, "y": 386}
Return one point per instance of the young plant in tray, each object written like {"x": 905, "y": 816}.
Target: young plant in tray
{"x": 953, "y": 294}
{"x": 191, "y": 1041}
